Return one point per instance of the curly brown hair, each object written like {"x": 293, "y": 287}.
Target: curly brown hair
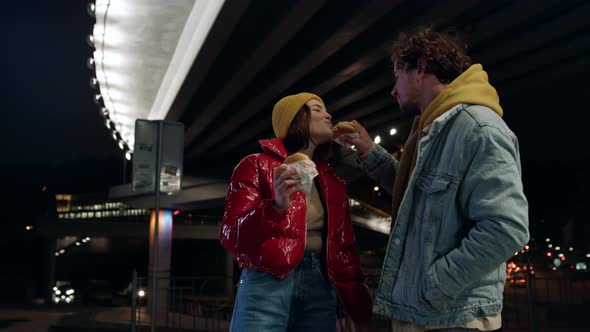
{"x": 442, "y": 54}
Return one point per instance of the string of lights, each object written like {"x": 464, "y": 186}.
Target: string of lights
{"x": 63, "y": 250}
{"x": 100, "y": 79}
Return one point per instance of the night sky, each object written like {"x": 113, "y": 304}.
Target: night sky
{"x": 53, "y": 133}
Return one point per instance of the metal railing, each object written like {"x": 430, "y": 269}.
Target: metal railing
{"x": 195, "y": 303}
{"x": 547, "y": 303}
{"x": 203, "y": 304}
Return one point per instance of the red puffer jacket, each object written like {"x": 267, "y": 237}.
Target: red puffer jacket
{"x": 262, "y": 239}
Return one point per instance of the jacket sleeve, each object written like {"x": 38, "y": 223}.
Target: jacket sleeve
{"x": 248, "y": 218}
{"x": 491, "y": 195}
{"x": 380, "y": 166}
{"x": 349, "y": 278}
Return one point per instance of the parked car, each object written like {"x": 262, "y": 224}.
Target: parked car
{"x": 517, "y": 279}
{"x": 63, "y": 292}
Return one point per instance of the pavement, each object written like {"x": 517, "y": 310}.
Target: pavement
{"x": 31, "y": 318}
{"x": 76, "y": 318}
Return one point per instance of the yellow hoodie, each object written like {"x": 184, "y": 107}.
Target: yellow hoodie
{"x": 471, "y": 87}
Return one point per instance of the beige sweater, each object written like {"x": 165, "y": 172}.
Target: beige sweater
{"x": 315, "y": 221}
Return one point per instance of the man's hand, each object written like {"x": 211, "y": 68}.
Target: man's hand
{"x": 363, "y": 143}
{"x": 284, "y": 183}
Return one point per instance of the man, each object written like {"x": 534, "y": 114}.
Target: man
{"x": 459, "y": 211}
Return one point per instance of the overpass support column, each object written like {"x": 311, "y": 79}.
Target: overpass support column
{"x": 162, "y": 261}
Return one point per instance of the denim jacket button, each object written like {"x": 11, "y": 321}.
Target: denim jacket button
{"x": 396, "y": 241}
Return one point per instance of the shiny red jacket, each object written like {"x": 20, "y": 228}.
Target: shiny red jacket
{"x": 262, "y": 239}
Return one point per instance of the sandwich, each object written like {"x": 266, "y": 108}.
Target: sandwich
{"x": 344, "y": 127}
{"x": 295, "y": 157}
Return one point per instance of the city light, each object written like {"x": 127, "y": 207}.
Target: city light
{"x": 377, "y": 139}
{"x": 549, "y": 245}
{"x": 376, "y": 188}
{"x": 547, "y": 240}
{"x": 571, "y": 249}
{"x": 558, "y": 248}
{"x": 28, "y": 227}
{"x": 393, "y": 131}
{"x": 548, "y": 253}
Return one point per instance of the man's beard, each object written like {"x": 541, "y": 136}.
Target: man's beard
{"x": 409, "y": 108}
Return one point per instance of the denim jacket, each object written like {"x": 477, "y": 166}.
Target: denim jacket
{"x": 462, "y": 216}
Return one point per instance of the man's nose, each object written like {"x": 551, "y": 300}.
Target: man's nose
{"x": 394, "y": 92}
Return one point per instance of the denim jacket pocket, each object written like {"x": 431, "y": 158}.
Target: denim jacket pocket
{"x": 434, "y": 193}
{"x": 432, "y": 184}
{"x": 432, "y": 294}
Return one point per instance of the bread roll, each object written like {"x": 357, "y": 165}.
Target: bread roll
{"x": 295, "y": 157}
{"x": 343, "y": 127}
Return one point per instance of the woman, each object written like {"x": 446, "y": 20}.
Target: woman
{"x": 297, "y": 252}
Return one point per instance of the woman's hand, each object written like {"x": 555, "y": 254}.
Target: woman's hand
{"x": 284, "y": 183}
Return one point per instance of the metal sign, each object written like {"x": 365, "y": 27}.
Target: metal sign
{"x": 145, "y": 156}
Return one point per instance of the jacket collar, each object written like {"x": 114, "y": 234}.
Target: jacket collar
{"x": 439, "y": 123}
{"x": 275, "y": 147}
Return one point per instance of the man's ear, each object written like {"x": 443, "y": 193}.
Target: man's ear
{"x": 420, "y": 68}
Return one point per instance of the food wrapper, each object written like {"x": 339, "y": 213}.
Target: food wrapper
{"x": 306, "y": 172}
{"x": 339, "y": 141}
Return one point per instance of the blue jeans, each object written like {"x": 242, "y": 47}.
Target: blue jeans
{"x": 304, "y": 301}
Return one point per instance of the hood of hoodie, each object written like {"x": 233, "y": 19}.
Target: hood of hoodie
{"x": 471, "y": 87}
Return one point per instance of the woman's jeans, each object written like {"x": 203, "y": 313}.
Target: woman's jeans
{"x": 304, "y": 301}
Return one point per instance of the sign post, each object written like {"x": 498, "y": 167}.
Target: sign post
{"x": 157, "y": 167}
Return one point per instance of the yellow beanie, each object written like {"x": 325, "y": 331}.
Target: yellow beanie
{"x": 286, "y": 109}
